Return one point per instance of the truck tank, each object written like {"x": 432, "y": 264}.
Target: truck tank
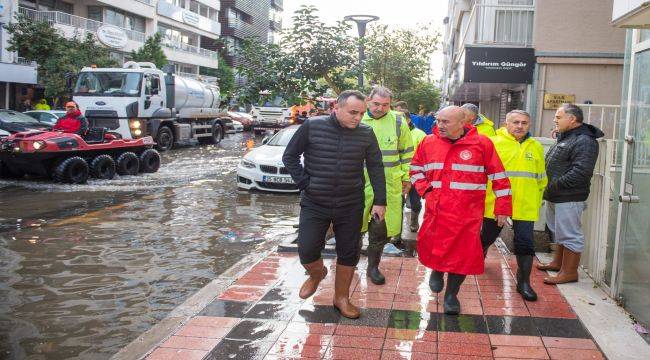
{"x": 190, "y": 93}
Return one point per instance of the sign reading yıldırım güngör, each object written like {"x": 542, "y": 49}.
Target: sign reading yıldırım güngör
{"x": 499, "y": 65}
{"x": 553, "y": 101}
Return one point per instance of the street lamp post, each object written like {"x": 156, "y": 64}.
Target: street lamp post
{"x": 361, "y": 21}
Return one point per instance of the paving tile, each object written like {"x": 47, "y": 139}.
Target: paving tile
{"x": 274, "y": 311}
{"x": 462, "y": 323}
{"x": 567, "y": 328}
{"x": 568, "y": 343}
{"x": 512, "y": 325}
{"x": 257, "y": 330}
{"x": 400, "y": 355}
{"x": 506, "y": 311}
{"x": 243, "y": 293}
{"x": 407, "y": 334}
{"x": 369, "y": 317}
{"x": 465, "y": 349}
{"x": 520, "y": 352}
{"x": 515, "y": 340}
{"x": 239, "y": 350}
{"x": 278, "y": 294}
{"x": 295, "y": 338}
{"x": 189, "y": 342}
{"x": 339, "y": 353}
{"x": 311, "y": 328}
{"x": 226, "y": 308}
{"x": 213, "y": 321}
{"x": 284, "y": 351}
{"x": 574, "y": 354}
{"x": 353, "y": 330}
{"x": 317, "y": 314}
{"x": 468, "y": 338}
{"x": 202, "y": 331}
{"x": 404, "y": 319}
{"x": 462, "y": 357}
{"x": 176, "y": 354}
{"x": 362, "y": 342}
{"x": 401, "y": 345}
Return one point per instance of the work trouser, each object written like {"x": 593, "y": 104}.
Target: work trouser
{"x": 377, "y": 235}
{"x": 523, "y": 235}
{"x": 414, "y": 200}
{"x": 314, "y": 222}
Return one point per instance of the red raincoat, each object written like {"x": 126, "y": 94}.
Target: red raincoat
{"x": 73, "y": 122}
{"x": 452, "y": 178}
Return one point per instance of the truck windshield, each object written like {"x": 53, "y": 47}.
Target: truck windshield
{"x": 108, "y": 84}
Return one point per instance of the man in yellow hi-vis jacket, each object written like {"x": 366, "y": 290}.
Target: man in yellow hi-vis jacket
{"x": 483, "y": 125}
{"x": 523, "y": 159}
{"x": 394, "y": 137}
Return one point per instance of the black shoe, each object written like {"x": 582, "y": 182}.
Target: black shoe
{"x": 451, "y": 303}
{"x": 436, "y": 281}
{"x": 376, "y": 277}
{"x": 525, "y": 264}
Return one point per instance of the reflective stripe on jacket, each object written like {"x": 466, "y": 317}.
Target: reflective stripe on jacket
{"x": 396, "y": 144}
{"x": 524, "y": 164}
{"x": 452, "y": 179}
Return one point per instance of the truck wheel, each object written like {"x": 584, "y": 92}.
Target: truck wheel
{"x": 127, "y": 164}
{"x": 102, "y": 167}
{"x": 73, "y": 170}
{"x": 217, "y": 133}
{"x": 149, "y": 161}
{"x": 164, "y": 139}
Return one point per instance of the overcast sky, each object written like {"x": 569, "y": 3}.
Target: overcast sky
{"x": 402, "y": 13}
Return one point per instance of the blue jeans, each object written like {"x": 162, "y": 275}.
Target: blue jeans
{"x": 564, "y": 221}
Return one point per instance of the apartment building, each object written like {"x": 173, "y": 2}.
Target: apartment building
{"x": 532, "y": 55}
{"x": 190, "y": 29}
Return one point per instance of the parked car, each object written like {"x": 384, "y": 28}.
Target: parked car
{"x": 13, "y": 121}
{"x": 245, "y": 119}
{"x": 49, "y": 117}
{"x": 236, "y": 127}
{"x": 262, "y": 167}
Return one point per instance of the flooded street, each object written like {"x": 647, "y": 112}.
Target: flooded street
{"x": 88, "y": 268}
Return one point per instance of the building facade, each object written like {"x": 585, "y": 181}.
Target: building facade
{"x": 527, "y": 54}
{"x": 190, "y": 30}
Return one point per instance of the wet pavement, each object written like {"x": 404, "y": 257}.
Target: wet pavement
{"x": 260, "y": 316}
{"x": 88, "y": 268}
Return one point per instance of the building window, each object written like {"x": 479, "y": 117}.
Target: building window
{"x": 194, "y": 6}
{"x": 95, "y": 13}
{"x": 176, "y": 38}
{"x": 47, "y": 5}
{"x": 514, "y": 27}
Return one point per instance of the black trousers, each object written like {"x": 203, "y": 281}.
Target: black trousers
{"x": 414, "y": 199}
{"x": 314, "y": 222}
{"x": 523, "y": 235}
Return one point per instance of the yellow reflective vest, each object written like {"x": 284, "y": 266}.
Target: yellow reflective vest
{"x": 417, "y": 136}
{"x": 396, "y": 144}
{"x": 484, "y": 126}
{"x": 524, "y": 164}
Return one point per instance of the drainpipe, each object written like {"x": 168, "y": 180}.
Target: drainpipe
{"x": 540, "y": 99}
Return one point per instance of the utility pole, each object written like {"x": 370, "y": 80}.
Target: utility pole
{"x": 361, "y": 21}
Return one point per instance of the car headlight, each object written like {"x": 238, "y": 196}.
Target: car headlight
{"x": 38, "y": 145}
{"x": 248, "y": 164}
{"x": 135, "y": 124}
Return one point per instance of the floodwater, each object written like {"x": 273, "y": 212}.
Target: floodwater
{"x": 88, "y": 268}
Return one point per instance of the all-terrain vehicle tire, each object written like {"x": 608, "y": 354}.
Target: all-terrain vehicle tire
{"x": 149, "y": 161}
{"x": 127, "y": 164}
{"x": 8, "y": 173}
{"x": 164, "y": 139}
{"x": 73, "y": 170}
{"x": 102, "y": 167}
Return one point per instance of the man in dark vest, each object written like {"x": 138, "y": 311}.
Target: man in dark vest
{"x": 335, "y": 148}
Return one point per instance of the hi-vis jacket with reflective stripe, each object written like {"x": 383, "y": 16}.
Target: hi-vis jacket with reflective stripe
{"x": 396, "y": 146}
{"x": 525, "y": 167}
{"x": 452, "y": 178}
{"x": 484, "y": 126}
{"x": 417, "y": 136}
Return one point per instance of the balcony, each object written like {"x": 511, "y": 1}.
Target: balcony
{"x": 189, "y": 18}
{"x": 277, "y": 4}
{"x": 75, "y": 22}
{"x": 191, "y": 49}
{"x": 504, "y": 24}
{"x": 275, "y": 24}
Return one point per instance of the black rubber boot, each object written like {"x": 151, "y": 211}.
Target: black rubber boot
{"x": 485, "y": 251}
{"x": 414, "y": 224}
{"x": 451, "y": 303}
{"x": 374, "y": 257}
{"x": 436, "y": 281}
{"x": 525, "y": 264}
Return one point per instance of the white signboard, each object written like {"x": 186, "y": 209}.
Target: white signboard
{"x": 112, "y": 36}
{"x": 191, "y": 18}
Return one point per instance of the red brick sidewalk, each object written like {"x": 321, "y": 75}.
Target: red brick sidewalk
{"x": 261, "y": 317}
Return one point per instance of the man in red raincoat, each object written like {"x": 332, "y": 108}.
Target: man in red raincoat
{"x": 73, "y": 122}
{"x": 450, "y": 171}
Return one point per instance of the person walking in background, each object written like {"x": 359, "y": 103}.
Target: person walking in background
{"x": 335, "y": 149}
{"x": 396, "y": 146}
{"x": 42, "y": 105}
{"x": 523, "y": 159}
{"x": 569, "y": 166}
{"x": 450, "y": 171}
{"x": 484, "y": 125}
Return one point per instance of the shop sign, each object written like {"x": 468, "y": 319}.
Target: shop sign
{"x": 191, "y": 18}
{"x": 499, "y": 65}
{"x": 112, "y": 36}
{"x": 553, "y": 101}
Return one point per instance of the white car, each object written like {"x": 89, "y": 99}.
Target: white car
{"x": 236, "y": 127}
{"x": 262, "y": 167}
{"x": 46, "y": 116}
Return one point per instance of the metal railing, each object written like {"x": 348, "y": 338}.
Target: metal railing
{"x": 77, "y": 22}
{"x": 192, "y": 49}
{"x": 23, "y": 61}
{"x": 504, "y": 24}
{"x": 605, "y": 117}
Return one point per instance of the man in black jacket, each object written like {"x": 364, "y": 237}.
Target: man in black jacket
{"x": 569, "y": 167}
{"x": 335, "y": 148}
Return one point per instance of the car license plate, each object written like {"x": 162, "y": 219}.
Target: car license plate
{"x": 278, "y": 179}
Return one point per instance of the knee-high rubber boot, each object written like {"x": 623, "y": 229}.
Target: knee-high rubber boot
{"x": 556, "y": 263}
{"x": 342, "y": 283}
{"x": 451, "y": 303}
{"x": 374, "y": 257}
{"x": 525, "y": 265}
{"x": 377, "y": 238}
{"x": 569, "y": 270}
{"x": 414, "y": 225}
{"x": 316, "y": 272}
{"x": 436, "y": 281}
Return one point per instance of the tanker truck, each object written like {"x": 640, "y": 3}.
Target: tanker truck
{"x": 140, "y": 100}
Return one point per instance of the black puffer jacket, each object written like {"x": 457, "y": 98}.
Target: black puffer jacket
{"x": 334, "y": 158}
{"x": 570, "y": 164}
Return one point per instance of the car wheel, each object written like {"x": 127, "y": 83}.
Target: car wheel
{"x": 164, "y": 139}
{"x": 102, "y": 167}
{"x": 127, "y": 164}
{"x": 149, "y": 161}
{"x": 73, "y": 170}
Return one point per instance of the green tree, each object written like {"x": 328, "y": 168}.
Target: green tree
{"x": 422, "y": 93}
{"x": 151, "y": 51}
{"x": 225, "y": 75}
{"x": 398, "y": 58}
